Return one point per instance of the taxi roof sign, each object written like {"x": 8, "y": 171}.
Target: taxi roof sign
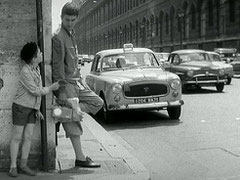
{"x": 128, "y": 47}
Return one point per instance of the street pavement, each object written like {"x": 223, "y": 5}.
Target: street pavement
{"x": 116, "y": 162}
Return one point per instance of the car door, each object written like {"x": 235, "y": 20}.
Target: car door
{"x": 95, "y": 71}
{"x": 173, "y": 64}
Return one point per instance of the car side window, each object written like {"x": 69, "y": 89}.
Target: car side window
{"x": 96, "y": 63}
{"x": 175, "y": 59}
{"x": 170, "y": 59}
{"x": 106, "y": 64}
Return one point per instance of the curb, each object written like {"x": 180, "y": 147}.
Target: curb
{"x": 116, "y": 150}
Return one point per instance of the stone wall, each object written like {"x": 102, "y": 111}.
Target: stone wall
{"x": 18, "y": 24}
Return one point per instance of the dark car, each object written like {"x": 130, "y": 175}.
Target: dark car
{"x": 195, "y": 68}
{"x": 229, "y": 55}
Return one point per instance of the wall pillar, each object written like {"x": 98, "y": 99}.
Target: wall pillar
{"x": 18, "y": 26}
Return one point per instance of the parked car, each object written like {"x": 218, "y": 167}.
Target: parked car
{"x": 86, "y": 58}
{"x": 132, "y": 79}
{"x": 91, "y": 57}
{"x": 80, "y": 60}
{"x": 194, "y": 68}
{"x": 230, "y": 56}
{"x": 228, "y": 68}
{"x": 162, "y": 57}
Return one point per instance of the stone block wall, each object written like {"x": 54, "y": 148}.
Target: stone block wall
{"x": 18, "y": 24}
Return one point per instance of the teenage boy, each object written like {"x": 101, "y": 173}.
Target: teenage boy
{"x": 65, "y": 69}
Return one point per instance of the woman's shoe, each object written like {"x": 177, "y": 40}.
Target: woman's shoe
{"x": 26, "y": 170}
{"x": 13, "y": 172}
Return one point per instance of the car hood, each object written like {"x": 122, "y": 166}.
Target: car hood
{"x": 222, "y": 64}
{"x": 139, "y": 75}
{"x": 196, "y": 65}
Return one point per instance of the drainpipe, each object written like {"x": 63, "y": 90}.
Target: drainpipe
{"x": 44, "y": 142}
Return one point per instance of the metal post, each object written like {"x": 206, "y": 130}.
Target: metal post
{"x": 40, "y": 37}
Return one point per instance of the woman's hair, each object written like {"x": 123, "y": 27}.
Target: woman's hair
{"x": 70, "y": 9}
{"x": 29, "y": 51}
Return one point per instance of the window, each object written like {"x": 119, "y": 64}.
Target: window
{"x": 193, "y": 14}
{"x": 232, "y": 10}
{"x": 157, "y": 28}
{"x": 210, "y": 13}
{"x": 167, "y": 24}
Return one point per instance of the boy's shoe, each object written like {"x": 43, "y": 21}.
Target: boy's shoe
{"x": 87, "y": 163}
{"x": 26, "y": 170}
{"x": 13, "y": 172}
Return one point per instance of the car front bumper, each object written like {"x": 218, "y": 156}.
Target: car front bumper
{"x": 145, "y": 106}
{"x": 209, "y": 82}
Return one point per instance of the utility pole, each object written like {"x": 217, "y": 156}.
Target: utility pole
{"x": 40, "y": 38}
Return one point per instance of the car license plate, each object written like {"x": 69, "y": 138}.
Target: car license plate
{"x": 146, "y": 100}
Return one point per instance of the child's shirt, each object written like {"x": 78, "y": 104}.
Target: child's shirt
{"x": 30, "y": 90}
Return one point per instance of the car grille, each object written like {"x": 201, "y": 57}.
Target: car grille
{"x": 206, "y": 78}
{"x": 141, "y": 90}
{"x": 236, "y": 67}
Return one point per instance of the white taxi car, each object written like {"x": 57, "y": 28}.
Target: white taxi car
{"x": 132, "y": 79}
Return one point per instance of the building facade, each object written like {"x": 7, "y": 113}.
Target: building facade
{"x": 19, "y": 25}
{"x": 161, "y": 25}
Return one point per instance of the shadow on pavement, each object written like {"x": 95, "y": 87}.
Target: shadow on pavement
{"x": 199, "y": 91}
{"x": 136, "y": 119}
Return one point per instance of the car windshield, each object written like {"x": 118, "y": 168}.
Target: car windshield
{"x": 194, "y": 57}
{"x": 215, "y": 57}
{"x": 128, "y": 61}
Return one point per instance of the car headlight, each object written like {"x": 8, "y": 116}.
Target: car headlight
{"x": 116, "y": 88}
{"x": 190, "y": 73}
{"x": 175, "y": 83}
{"x": 221, "y": 72}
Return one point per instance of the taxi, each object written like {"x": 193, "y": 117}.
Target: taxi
{"x": 132, "y": 79}
{"x": 195, "y": 68}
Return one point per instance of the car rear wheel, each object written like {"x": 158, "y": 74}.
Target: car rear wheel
{"x": 220, "y": 87}
{"x": 174, "y": 112}
{"x": 229, "y": 80}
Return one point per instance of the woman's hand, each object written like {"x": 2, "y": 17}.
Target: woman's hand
{"x": 39, "y": 115}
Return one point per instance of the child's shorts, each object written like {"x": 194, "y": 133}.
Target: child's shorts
{"x": 22, "y": 115}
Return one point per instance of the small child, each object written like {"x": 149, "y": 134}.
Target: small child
{"x": 25, "y": 108}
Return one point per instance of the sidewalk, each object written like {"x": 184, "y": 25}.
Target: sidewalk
{"x": 116, "y": 162}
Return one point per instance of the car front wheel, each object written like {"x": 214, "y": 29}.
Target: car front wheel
{"x": 106, "y": 115}
{"x": 229, "y": 80}
{"x": 220, "y": 87}
{"x": 174, "y": 112}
